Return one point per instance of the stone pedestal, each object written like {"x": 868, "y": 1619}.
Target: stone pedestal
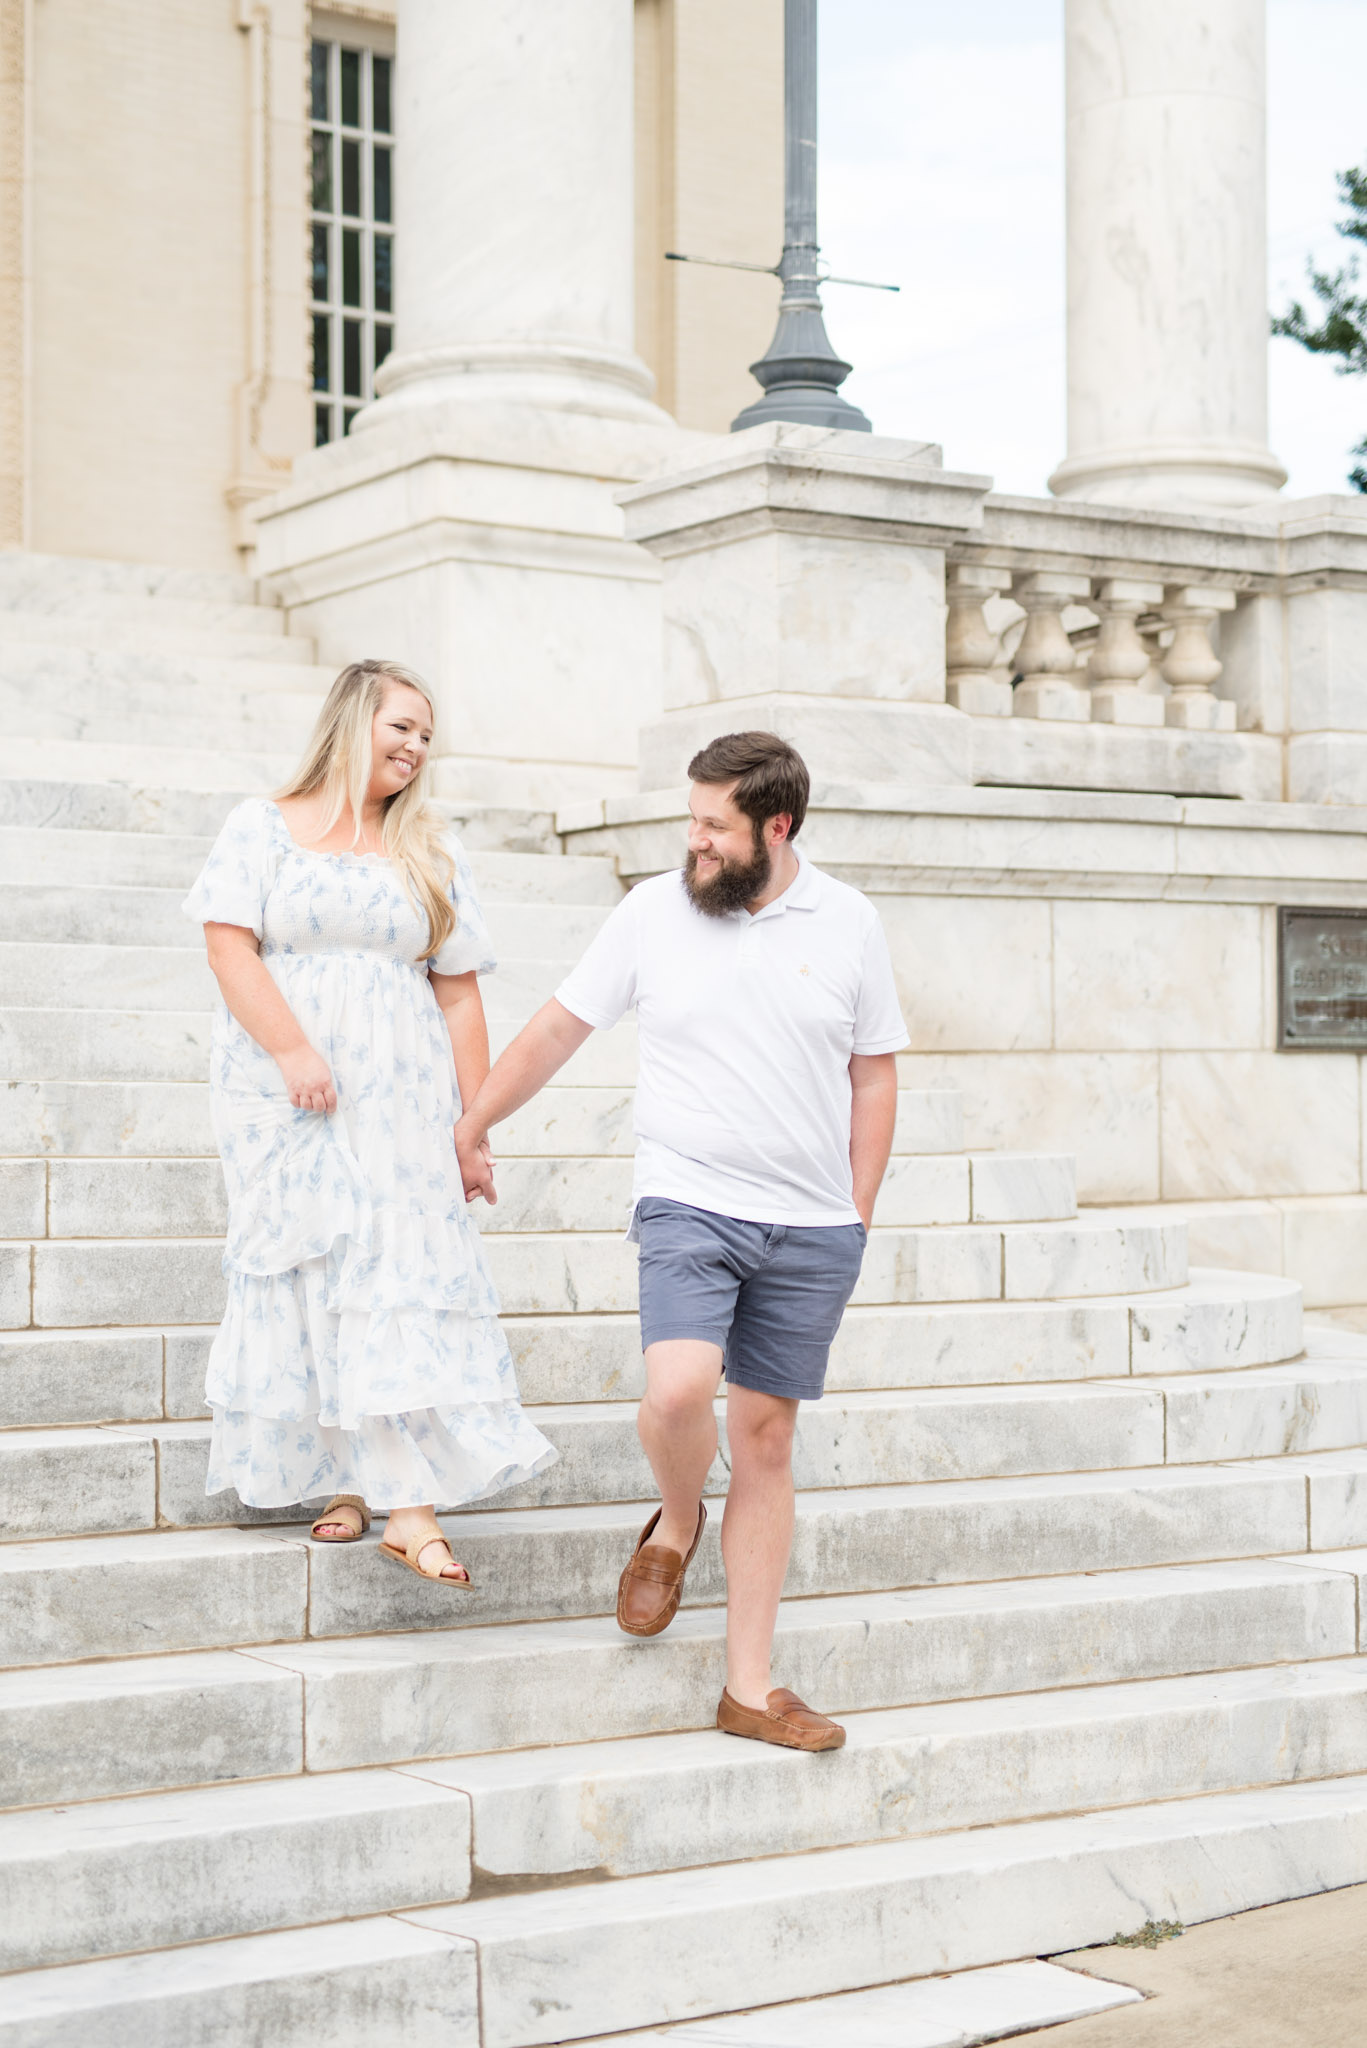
{"x": 467, "y": 526}
{"x": 804, "y": 592}
{"x": 1167, "y": 253}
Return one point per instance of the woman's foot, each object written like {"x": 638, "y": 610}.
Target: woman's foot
{"x": 345, "y": 1519}
{"x": 434, "y": 1560}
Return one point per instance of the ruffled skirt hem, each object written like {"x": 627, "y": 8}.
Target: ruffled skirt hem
{"x": 449, "y": 1456}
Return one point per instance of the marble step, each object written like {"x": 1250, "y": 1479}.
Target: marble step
{"x": 79, "y": 834}
{"x": 393, "y": 1697}
{"x": 563, "y": 1561}
{"x": 148, "y": 1724}
{"x": 625, "y": 1808}
{"x": 1218, "y": 1321}
{"x": 250, "y": 633}
{"x": 96, "y": 713}
{"x": 91, "y": 586}
{"x": 93, "y": 913}
{"x": 75, "y": 1283}
{"x": 367, "y": 1983}
{"x": 1317, "y": 1404}
{"x": 618, "y": 1806}
{"x": 171, "y": 1867}
{"x": 148, "y": 1119}
{"x": 586, "y": 1959}
{"x": 148, "y": 683}
{"x": 855, "y": 1439}
{"x": 66, "y": 1045}
{"x": 146, "y": 1595}
{"x": 109, "y": 1375}
{"x": 229, "y": 771}
{"x": 35, "y": 975}
{"x": 185, "y": 1197}
{"x": 72, "y": 1119}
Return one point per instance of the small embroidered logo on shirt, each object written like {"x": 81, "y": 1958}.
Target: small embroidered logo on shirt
{"x": 804, "y": 969}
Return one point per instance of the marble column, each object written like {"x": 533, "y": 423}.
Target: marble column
{"x": 1167, "y": 254}
{"x": 514, "y": 209}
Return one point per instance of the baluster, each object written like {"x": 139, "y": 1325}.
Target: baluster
{"x": 1120, "y": 658}
{"x": 1046, "y": 659}
{"x": 974, "y": 680}
{"x": 1191, "y": 664}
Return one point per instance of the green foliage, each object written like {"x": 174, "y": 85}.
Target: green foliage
{"x": 1150, "y": 1934}
{"x": 1342, "y": 329}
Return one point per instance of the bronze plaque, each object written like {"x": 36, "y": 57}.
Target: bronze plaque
{"x": 1321, "y": 980}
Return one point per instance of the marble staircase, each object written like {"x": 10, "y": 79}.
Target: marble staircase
{"x": 1081, "y": 1536}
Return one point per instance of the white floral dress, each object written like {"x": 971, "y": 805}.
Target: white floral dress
{"x": 361, "y": 1350}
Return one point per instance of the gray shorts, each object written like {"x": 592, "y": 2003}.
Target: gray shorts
{"x": 771, "y": 1296}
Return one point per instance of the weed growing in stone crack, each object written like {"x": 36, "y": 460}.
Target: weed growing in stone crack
{"x": 1150, "y": 1934}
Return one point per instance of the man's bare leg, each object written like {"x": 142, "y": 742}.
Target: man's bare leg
{"x": 756, "y": 1535}
{"x": 678, "y": 1431}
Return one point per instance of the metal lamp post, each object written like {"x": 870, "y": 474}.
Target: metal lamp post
{"x": 800, "y": 371}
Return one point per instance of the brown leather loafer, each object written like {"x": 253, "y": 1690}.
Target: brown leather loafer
{"x": 786, "y": 1720}
{"x": 651, "y": 1587}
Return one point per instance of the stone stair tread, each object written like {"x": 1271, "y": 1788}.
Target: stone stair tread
{"x": 372, "y": 1699}
{"x": 619, "y": 1808}
{"x": 362, "y": 1983}
{"x": 167, "y": 1867}
{"x": 62, "y": 582}
{"x": 576, "y": 1960}
{"x": 245, "y": 634}
{"x": 103, "y": 1730}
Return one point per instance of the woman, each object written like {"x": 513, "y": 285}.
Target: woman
{"x": 361, "y": 1353}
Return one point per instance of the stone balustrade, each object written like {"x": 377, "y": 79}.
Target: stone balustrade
{"x": 906, "y": 625}
{"x": 1076, "y": 647}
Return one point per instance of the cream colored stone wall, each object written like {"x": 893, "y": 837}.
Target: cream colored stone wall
{"x": 14, "y": 42}
{"x": 709, "y": 182}
{"x": 167, "y": 333}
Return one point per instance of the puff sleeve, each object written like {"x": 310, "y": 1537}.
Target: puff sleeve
{"x": 468, "y": 950}
{"x": 236, "y": 879}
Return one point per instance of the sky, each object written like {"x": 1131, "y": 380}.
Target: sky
{"x": 941, "y": 136}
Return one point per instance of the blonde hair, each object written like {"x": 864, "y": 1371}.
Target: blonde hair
{"x": 339, "y": 762}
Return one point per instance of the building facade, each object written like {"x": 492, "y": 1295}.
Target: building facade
{"x": 197, "y": 259}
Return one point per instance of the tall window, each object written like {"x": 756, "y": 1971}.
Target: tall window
{"x": 353, "y": 241}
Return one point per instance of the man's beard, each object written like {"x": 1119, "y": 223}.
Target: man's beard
{"x": 734, "y": 885}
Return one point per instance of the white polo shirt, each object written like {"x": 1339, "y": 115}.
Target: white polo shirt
{"x": 747, "y": 1026}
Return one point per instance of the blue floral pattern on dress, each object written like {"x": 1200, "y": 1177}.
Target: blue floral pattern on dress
{"x": 361, "y": 1350}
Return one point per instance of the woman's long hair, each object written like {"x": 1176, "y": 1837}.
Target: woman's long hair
{"x": 338, "y": 762}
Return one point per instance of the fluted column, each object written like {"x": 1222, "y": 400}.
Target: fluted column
{"x": 1167, "y": 253}
{"x": 514, "y": 209}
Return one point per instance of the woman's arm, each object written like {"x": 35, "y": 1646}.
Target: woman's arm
{"x": 540, "y": 1049}
{"x": 462, "y": 1007}
{"x": 261, "y": 1010}
{"x": 873, "y": 1114}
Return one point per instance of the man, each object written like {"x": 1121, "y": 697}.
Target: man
{"x": 768, "y": 1023}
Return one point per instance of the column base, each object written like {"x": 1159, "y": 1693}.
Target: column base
{"x": 1214, "y": 475}
{"x": 548, "y": 377}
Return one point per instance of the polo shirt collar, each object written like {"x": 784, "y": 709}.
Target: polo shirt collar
{"x": 802, "y": 893}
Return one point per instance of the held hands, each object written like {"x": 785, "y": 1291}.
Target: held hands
{"x": 308, "y": 1079}
{"x": 476, "y": 1162}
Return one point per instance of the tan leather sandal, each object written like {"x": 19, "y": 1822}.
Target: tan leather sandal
{"x": 353, "y": 1503}
{"x": 416, "y": 1545}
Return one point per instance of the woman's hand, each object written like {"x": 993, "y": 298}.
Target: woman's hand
{"x": 308, "y": 1079}
{"x": 476, "y": 1161}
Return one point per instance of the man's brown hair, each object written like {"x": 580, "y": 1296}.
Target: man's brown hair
{"x": 770, "y": 776}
